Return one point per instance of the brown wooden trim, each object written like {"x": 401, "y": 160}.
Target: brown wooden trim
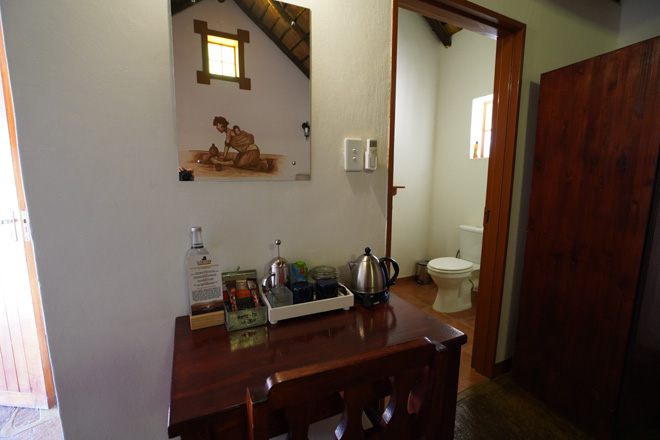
{"x": 465, "y": 15}
{"x": 408, "y": 278}
{"x": 43, "y": 398}
{"x": 203, "y": 77}
{"x": 510, "y": 36}
{"x": 390, "y": 154}
{"x": 503, "y": 367}
{"x": 508, "y": 73}
{"x": 508, "y": 79}
{"x": 440, "y": 32}
{"x": 245, "y": 84}
{"x": 488, "y": 302}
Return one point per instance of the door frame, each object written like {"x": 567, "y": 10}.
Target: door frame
{"x": 510, "y": 36}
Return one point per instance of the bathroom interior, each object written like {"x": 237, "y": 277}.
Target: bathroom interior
{"x": 440, "y": 186}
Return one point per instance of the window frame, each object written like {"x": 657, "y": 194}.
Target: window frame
{"x": 478, "y": 126}
{"x": 241, "y": 37}
{"x": 486, "y": 122}
{"x": 228, "y": 57}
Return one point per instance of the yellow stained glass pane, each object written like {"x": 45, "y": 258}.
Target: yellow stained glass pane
{"x": 223, "y": 41}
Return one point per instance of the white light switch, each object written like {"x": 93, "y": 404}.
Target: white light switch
{"x": 353, "y": 155}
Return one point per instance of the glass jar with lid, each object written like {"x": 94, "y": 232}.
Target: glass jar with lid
{"x": 324, "y": 273}
{"x": 325, "y": 280}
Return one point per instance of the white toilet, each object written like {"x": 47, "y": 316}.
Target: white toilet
{"x": 452, "y": 275}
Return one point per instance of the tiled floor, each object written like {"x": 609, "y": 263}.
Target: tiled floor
{"x": 30, "y": 424}
{"x": 422, "y": 296}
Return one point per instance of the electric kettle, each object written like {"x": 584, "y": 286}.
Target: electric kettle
{"x": 370, "y": 276}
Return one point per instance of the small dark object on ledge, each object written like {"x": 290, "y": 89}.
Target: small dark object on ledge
{"x": 186, "y": 175}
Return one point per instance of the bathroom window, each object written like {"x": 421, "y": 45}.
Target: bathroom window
{"x": 223, "y": 55}
{"x": 481, "y": 127}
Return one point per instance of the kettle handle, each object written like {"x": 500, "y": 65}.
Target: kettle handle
{"x": 395, "y": 265}
{"x": 267, "y": 282}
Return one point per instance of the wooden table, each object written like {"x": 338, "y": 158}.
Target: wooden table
{"x": 212, "y": 367}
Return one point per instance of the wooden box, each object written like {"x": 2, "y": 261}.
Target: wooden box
{"x": 245, "y": 315}
{"x": 207, "y": 320}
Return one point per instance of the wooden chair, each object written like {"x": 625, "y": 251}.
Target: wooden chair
{"x": 412, "y": 374}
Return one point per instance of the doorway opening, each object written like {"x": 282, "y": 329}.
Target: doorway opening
{"x": 25, "y": 372}
{"x": 509, "y": 35}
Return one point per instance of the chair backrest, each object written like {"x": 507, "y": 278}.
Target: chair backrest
{"x": 412, "y": 374}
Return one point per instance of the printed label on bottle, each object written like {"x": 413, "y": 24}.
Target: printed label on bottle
{"x": 204, "y": 284}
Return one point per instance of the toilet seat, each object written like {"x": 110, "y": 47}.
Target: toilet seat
{"x": 450, "y": 265}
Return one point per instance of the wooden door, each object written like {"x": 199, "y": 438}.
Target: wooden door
{"x": 595, "y": 164}
{"x": 25, "y": 375}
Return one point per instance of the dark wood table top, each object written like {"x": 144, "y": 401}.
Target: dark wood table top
{"x": 212, "y": 367}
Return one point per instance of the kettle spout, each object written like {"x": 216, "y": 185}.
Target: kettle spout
{"x": 352, "y": 264}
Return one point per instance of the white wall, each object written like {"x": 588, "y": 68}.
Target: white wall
{"x": 459, "y": 183}
{"x": 434, "y": 92}
{"x": 94, "y": 100}
{"x": 640, "y": 20}
{"x": 94, "y": 97}
{"x": 418, "y": 64}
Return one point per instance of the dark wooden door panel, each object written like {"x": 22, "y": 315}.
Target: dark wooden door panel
{"x": 594, "y": 169}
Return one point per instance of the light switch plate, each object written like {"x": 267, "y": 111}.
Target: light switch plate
{"x": 353, "y": 155}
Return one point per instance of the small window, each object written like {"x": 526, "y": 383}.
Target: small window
{"x": 222, "y": 55}
{"x": 481, "y": 127}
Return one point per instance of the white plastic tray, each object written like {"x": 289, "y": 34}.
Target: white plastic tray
{"x": 276, "y": 314}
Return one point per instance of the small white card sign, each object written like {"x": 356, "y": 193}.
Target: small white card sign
{"x": 204, "y": 284}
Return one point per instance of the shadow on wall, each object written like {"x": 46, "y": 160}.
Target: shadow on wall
{"x": 609, "y": 15}
{"x": 527, "y": 170}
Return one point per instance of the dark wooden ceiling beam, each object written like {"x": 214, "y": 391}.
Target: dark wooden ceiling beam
{"x": 248, "y": 7}
{"x": 440, "y": 31}
{"x": 278, "y": 42}
{"x": 177, "y": 6}
{"x": 284, "y": 15}
{"x": 465, "y": 15}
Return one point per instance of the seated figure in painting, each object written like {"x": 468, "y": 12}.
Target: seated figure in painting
{"x": 248, "y": 155}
